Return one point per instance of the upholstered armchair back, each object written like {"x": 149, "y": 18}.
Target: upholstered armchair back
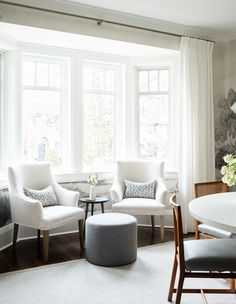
{"x": 30, "y": 175}
{"x": 140, "y": 171}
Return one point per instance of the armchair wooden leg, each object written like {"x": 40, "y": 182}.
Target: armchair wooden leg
{"x": 45, "y": 245}
{"x": 15, "y": 233}
{"x": 162, "y": 223}
{"x": 153, "y": 223}
{"x": 81, "y": 233}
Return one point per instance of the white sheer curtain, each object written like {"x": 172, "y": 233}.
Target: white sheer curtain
{"x": 197, "y": 153}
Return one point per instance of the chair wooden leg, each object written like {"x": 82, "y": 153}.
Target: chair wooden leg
{"x": 179, "y": 289}
{"x": 162, "y": 223}
{"x": 15, "y": 233}
{"x": 172, "y": 281}
{"x": 153, "y": 222}
{"x": 204, "y": 299}
{"x": 45, "y": 245}
{"x": 38, "y": 235}
{"x": 196, "y": 229}
{"x": 232, "y": 285}
{"x": 81, "y": 233}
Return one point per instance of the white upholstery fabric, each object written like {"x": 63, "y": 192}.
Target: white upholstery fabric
{"x": 59, "y": 215}
{"x": 29, "y": 212}
{"x": 139, "y": 171}
{"x": 137, "y": 206}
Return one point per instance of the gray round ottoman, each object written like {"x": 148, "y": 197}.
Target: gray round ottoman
{"x": 111, "y": 239}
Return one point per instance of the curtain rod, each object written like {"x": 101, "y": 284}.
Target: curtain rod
{"x": 97, "y": 20}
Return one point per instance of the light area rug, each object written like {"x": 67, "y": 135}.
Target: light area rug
{"x": 78, "y": 282}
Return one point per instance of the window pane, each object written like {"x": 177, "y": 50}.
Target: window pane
{"x": 153, "y": 129}
{"x": 164, "y": 80}
{"x": 88, "y": 78}
{"x": 42, "y": 128}
{"x": 29, "y": 73}
{"x": 42, "y": 74}
{"x": 98, "y": 129}
{"x": 109, "y": 80}
{"x": 98, "y": 79}
{"x": 143, "y": 81}
{"x": 153, "y": 81}
{"x": 55, "y": 75}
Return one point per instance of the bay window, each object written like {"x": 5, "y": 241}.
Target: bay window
{"x": 82, "y": 114}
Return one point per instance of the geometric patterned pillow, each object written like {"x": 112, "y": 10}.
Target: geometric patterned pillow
{"x": 140, "y": 190}
{"x": 46, "y": 196}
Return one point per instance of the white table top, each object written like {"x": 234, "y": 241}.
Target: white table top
{"x": 217, "y": 210}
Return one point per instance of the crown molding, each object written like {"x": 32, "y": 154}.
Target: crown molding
{"x": 121, "y": 17}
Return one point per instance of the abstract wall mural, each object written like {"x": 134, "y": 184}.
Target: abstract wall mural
{"x": 225, "y": 128}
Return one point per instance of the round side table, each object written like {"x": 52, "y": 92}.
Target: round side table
{"x": 100, "y": 199}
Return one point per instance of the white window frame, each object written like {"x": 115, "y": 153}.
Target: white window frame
{"x": 172, "y": 64}
{"x": 64, "y": 103}
{"x": 139, "y": 93}
{"x": 118, "y": 99}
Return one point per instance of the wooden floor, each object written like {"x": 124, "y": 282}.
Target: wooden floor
{"x": 63, "y": 248}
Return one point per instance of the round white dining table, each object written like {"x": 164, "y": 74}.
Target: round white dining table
{"x": 217, "y": 210}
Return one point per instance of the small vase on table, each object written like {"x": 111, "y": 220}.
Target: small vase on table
{"x": 92, "y": 193}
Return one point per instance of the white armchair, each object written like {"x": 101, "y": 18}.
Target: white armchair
{"x": 140, "y": 171}
{"x": 29, "y": 212}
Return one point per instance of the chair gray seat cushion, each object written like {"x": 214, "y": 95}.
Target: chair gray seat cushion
{"x": 111, "y": 239}
{"x": 210, "y": 255}
{"x": 212, "y": 231}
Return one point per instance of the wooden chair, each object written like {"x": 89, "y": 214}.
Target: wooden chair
{"x": 203, "y": 230}
{"x": 200, "y": 259}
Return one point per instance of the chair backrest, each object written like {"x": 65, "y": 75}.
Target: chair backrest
{"x": 139, "y": 171}
{"x": 178, "y": 230}
{"x": 202, "y": 189}
{"x": 34, "y": 175}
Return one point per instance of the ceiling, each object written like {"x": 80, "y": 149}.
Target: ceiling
{"x": 213, "y": 16}
{"x": 207, "y": 19}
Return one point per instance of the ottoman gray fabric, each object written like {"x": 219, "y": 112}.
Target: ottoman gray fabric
{"x": 111, "y": 239}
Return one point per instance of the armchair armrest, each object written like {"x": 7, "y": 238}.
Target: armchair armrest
{"x": 66, "y": 197}
{"x": 116, "y": 191}
{"x": 161, "y": 192}
{"x": 25, "y": 210}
